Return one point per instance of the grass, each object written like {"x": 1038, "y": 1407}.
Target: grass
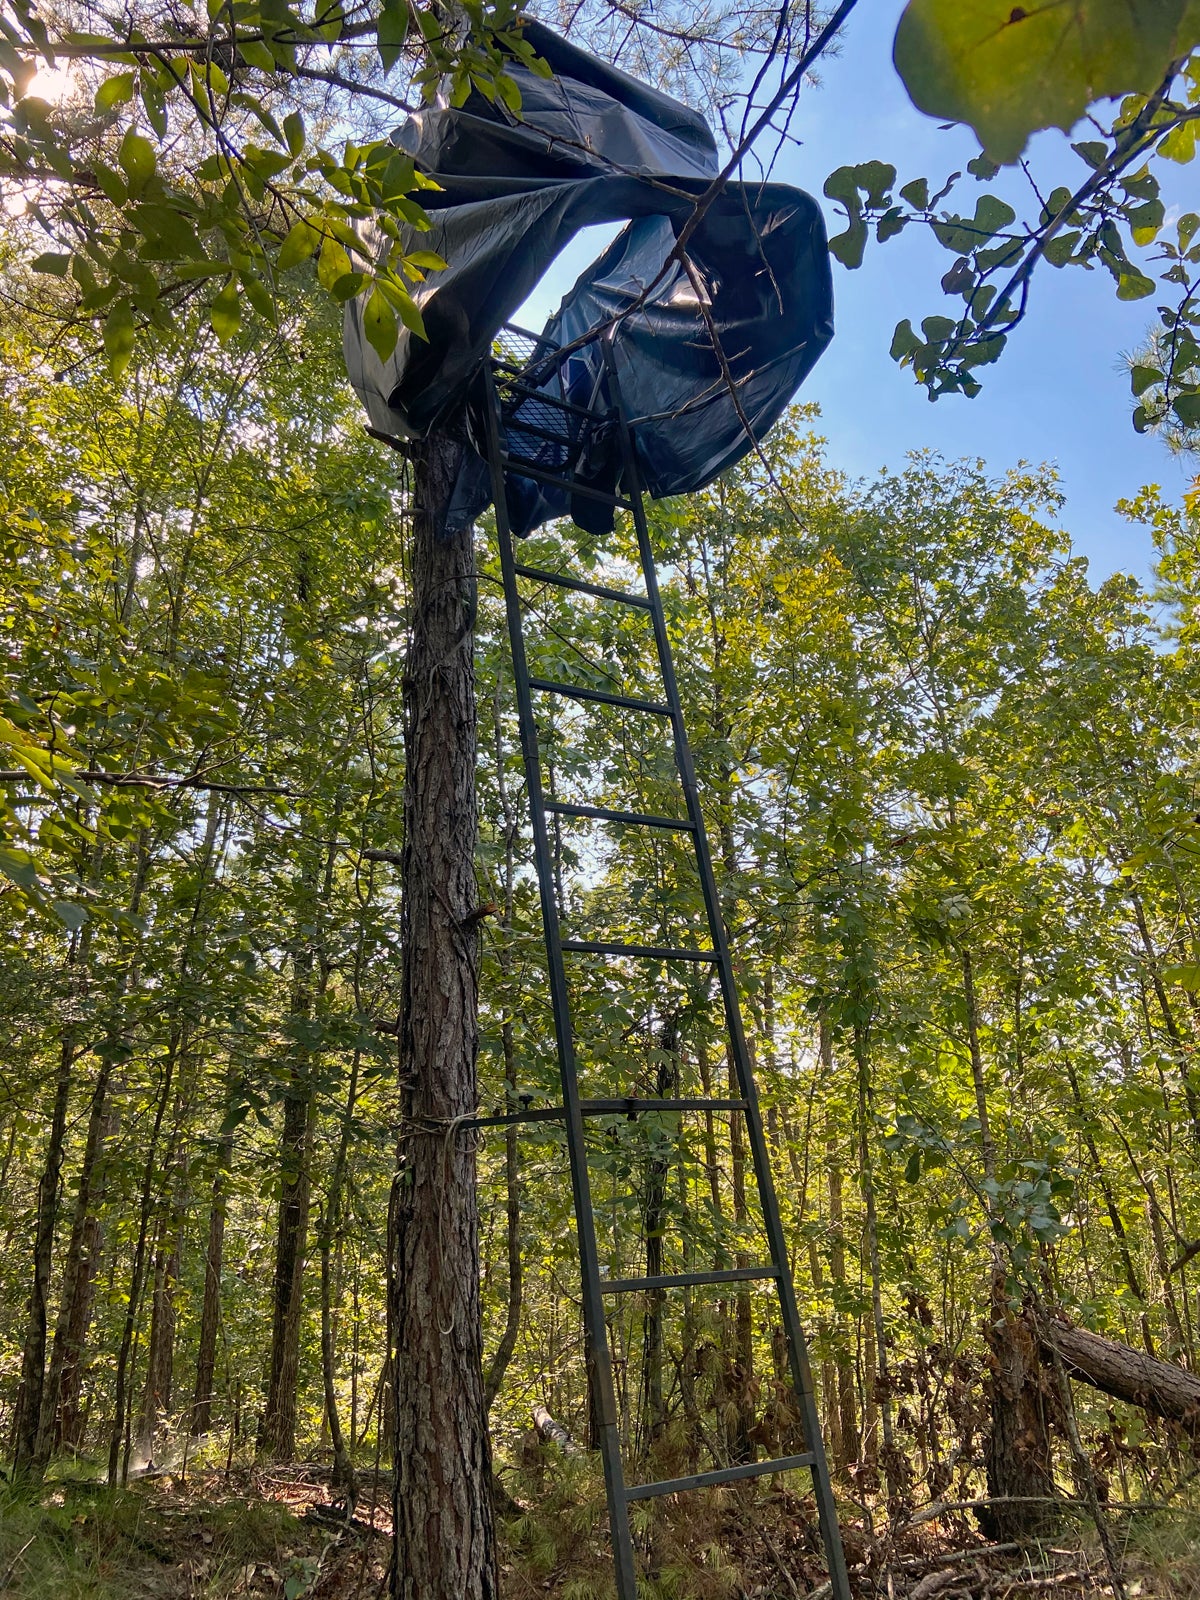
{"x": 80, "y": 1541}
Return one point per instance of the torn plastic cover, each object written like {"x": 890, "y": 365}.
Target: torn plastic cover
{"x": 591, "y": 145}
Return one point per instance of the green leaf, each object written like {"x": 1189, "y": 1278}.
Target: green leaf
{"x": 293, "y": 132}
{"x": 255, "y": 53}
{"x": 118, "y": 337}
{"x": 992, "y": 214}
{"x": 427, "y": 260}
{"x": 904, "y": 342}
{"x": 848, "y": 247}
{"x": 391, "y": 31}
{"x": 1186, "y": 975}
{"x": 303, "y": 240}
{"x": 380, "y": 326}
{"x": 115, "y": 91}
{"x": 1187, "y": 408}
{"x": 71, "y": 916}
{"x": 259, "y": 295}
{"x": 53, "y": 263}
{"x": 1134, "y": 285}
{"x": 333, "y": 263}
{"x": 917, "y": 194}
{"x": 410, "y": 314}
{"x": 1180, "y": 144}
{"x": 137, "y": 159}
{"x": 1007, "y": 70}
{"x": 225, "y": 313}
{"x": 18, "y": 867}
{"x": 1143, "y": 378}
{"x": 890, "y": 223}
{"x": 983, "y": 169}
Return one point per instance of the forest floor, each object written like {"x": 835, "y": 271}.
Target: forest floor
{"x": 275, "y": 1536}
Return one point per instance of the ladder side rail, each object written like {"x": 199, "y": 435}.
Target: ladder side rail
{"x": 599, "y": 1359}
{"x": 772, "y": 1222}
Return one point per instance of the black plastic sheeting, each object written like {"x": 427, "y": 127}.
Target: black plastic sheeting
{"x": 591, "y": 145}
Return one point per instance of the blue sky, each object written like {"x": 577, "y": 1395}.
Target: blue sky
{"x": 1059, "y": 393}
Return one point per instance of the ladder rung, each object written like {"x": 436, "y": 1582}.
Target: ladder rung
{"x": 622, "y": 596}
{"x": 702, "y": 1480}
{"x": 687, "y": 1280}
{"x": 601, "y": 696}
{"x": 526, "y": 469}
{"x": 589, "y": 947}
{"x": 633, "y": 1105}
{"x": 564, "y": 808}
{"x": 628, "y": 1106}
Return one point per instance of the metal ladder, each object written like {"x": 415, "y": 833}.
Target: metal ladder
{"x": 516, "y": 410}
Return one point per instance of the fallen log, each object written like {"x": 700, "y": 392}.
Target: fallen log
{"x": 1124, "y": 1373}
{"x": 549, "y": 1431}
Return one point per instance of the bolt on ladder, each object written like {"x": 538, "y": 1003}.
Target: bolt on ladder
{"x": 524, "y": 427}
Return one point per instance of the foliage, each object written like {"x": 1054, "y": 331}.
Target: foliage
{"x": 183, "y": 152}
{"x": 1008, "y": 72}
{"x": 950, "y": 784}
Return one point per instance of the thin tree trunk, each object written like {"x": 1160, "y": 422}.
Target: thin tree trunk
{"x": 160, "y": 1352}
{"x": 653, "y": 1222}
{"x": 442, "y": 1505}
{"x": 33, "y": 1353}
{"x": 343, "y": 1466}
{"x": 1019, "y": 1466}
{"x": 512, "y": 1171}
{"x": 742, "y": 1441}
{"x": 843, "y": 1358}
{"x": 60, "y": 1400}
{"x": 512, "y": 1227}
{"x": 277, "y": 1431}
{"x": 880, "y": 1377}
{"x": 136, "y": 1276}
{"x": 210, "y": 1313}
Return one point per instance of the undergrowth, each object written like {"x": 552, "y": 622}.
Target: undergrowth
{"x": 81, "y": 1541}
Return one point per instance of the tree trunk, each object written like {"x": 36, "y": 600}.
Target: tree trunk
{"x": 60, "y": 1401}
{"x": 1126, "y": 1374}
{"x": 1018, "y": 1443}
{"x": 512, "y": 1167}
{"x": 444, "y": 1538}
{"x": 741, "y": 1441}
{"x": 512, "y": 1226}
{"x": 160, "y": 1353}
{"x": 654, "y": 1213}
{"x": 1019, "y": 1464}
{"x": 847, "y": 1430}
{"x": 277, "y": 1431}
{"x": 880, "y": 1377}
{"x": 33, "y": 1353}
{"x": 175, "y": 1046}
{"x": 210, "y": 1313}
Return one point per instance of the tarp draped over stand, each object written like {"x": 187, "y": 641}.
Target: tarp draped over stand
{"x": 591, "y": 145}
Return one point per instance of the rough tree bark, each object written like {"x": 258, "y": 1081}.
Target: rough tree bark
{"x": 1019, "y": 1467}
{"x": 1126, "y": 1374}
{"x": 1019, "y": 1464}
{"x": 444, "y": 1539}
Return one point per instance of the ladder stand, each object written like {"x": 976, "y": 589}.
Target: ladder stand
{"x": 545, "y": 437}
